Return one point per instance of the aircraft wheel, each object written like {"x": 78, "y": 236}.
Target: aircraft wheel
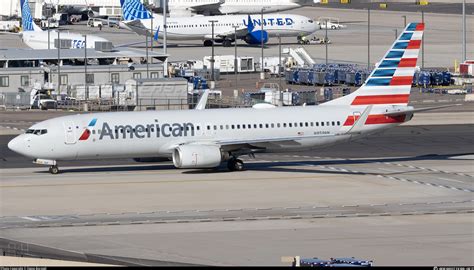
{"x": 54, "y": 169}
{"x": 207, "y": 43}
{"x": 235, "y": 164}
{"x": 227, "y": 43}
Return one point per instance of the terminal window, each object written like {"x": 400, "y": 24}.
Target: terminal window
{"x": 115, "y": 77}
{"x": 137, "y": 75}
{"x": 25, "y": 80}
{"x": 64, "y": 79}
{"x": 4, "y": 81}
{"x": 89, "y": 78}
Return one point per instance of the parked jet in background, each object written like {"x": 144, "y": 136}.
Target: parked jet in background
{"x": 35, "y": 38}
{"x": 205, "y": 138}
{"x": 182, "y": 8}
{"x": 138, "y": 19}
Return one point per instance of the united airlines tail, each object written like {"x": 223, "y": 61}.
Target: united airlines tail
{"x": 134, "y": 10}
{"x": 390, "y": 82}
{"x": 27, "y": 23}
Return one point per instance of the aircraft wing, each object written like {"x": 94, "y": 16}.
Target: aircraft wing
{"x": 10, "y": 33}
{"x": 241, "y": 32}
{"x": 211, "y": 9}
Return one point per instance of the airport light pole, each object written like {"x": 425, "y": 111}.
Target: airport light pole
{"x": 404, "y": 21}
{"x": 326, "y": 41}
{"x": 279, "y": 70}
{"x": 146, "y": 53}
{"x": 59, "y": 63}
{"x": 212, "y": 54}
{"x": 235, "y": 55}
{"x": 368, "y": 38}
{"x": 49, "y": 39}
{"x": 464, "y": 56}
{"x": 423, "y": 41}
{"x": 86, "y": 89}
{"x": 165, "y": 73}
{"x": 262, "y": 72}
{"x": 396, "y": 33}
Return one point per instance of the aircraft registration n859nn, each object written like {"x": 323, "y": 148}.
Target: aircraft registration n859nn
{"x": 203, "y": 138}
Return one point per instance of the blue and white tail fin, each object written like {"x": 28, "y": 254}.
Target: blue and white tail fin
{"x": 134, "y": 10}
{"x": 27, "y": 23}
{"x": 390, "y": 82}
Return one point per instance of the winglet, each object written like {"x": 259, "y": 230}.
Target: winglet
{"x": 202, "y": 101}
{"x": 156, "y": 33}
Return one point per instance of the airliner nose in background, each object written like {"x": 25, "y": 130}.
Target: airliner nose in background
{"x": 139, "y": 19}
{"x": 205, "y": 138}
{"x": 35, "y": 38}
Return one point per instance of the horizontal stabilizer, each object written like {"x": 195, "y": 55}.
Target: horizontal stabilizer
{"x": 405, "y": 110}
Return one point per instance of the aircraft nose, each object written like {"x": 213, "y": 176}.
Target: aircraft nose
{"x": 16, "y": 145}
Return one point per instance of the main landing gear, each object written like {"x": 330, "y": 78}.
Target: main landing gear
{"x": 235, "y": 164}
{"x": 54, "y": 169}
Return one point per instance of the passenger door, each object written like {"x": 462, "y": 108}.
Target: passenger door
{"x": 70, "y": 132}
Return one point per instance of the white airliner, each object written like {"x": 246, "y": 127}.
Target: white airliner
{"x": 179, "y": 8}
{"x": 204, "y": 138}
{"x": 138, "y": 19}
{"x": 35, "y": 38}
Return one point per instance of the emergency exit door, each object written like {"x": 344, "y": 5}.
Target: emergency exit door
{"x": 70, "y": 132}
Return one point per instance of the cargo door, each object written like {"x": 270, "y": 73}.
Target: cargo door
{"x": 70, "y": 132}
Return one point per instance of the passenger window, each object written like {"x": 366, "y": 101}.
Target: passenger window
{"x": 222, "y": 127}
{"x": 327, "y": 123}
{"x": 317, "y": 124}
{"x": 333, "y": 123}
{"x": 322, "y": 124}
{"x": 238, "y": 126}
{"x": 93, "y": 131}
{"x": 338, "y": 123}
{"x": 233, "y": 127}
{"x": 301, "y": 124}
{"x": 278, "y": 125}
{"x": 272, "y": 125}
{"x": 290, "y": 124}
{"x": 266, "y": 125}
{"x": 249, "y": 126}
{"x": 215, "y": 127}
{"x": 311, "y": 123}
{"x": 226, "y": 126}
{"x": 284, "y": 125}
{"x": 261, "y": 125}
{"x": 243, "y": 126}
{"x": 254, "y": 125}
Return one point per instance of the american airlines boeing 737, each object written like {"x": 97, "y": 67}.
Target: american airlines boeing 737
{"x": 138, "y": 19}
{"x": 204, "y": 138}
{"x": 36, "y": 38}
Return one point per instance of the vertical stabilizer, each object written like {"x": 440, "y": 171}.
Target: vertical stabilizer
{"x": 390, "y": 82}
{"x": 134, "y": 10}
{"x": 27, "y": 23}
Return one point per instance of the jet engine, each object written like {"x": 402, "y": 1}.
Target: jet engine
{"x": 197, "y": 156}
{"x": 255, "y": 37}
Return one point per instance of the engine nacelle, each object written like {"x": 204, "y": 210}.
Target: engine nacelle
{"x": 197, "y": 156}
{"x": 255, "y": 37}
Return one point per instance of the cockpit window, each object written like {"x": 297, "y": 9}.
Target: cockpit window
{"x": 310, "y": 21}
{"x": 36, "y": 131}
